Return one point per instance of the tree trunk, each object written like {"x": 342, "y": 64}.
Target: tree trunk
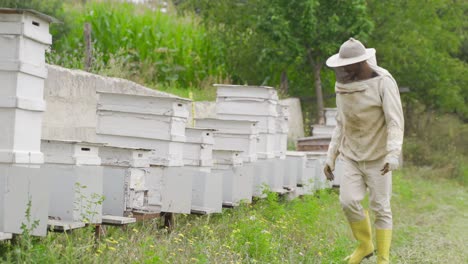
{"x": 88, "y": 47}
{"x": 284, "y": 86}
{"x": 318, "y": 92}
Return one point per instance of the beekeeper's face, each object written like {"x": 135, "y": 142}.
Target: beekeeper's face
{"x": 348, "y": 73}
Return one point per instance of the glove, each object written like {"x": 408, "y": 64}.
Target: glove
{"x": 391, "y": 164}
{"x": 328, "y": 172}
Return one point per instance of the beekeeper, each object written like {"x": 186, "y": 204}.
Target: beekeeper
{"x": 368, "y": 137}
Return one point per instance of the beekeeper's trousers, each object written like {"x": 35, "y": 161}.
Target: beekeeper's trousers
{"x": 357, "y": 178}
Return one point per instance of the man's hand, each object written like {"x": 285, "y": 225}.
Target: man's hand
{"x": 385, "y": 169}
{"x": 328, "y": 172}
{"x": 389, "y": 166}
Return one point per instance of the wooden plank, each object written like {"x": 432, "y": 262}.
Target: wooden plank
{"x": 143, "y": 216}
{"x": 59, "y": 225}
{"x": 230, "y": 204}
{"x": 117, "y": 220}
{"x": 5, "y": 236}
{"x": 202, "y": 211}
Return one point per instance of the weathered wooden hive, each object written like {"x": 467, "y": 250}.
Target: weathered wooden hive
{"x": 156, "y": 123}
{"x": 24, "y": 38}
{"x": 125, "y": 188}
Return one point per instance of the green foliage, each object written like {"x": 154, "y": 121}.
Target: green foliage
{"x": 438, "y": 142}
{"x": 143, "y": 45}
{"x": 86, "y": 205}
{"x": 418, "y": 44}
{"x": 274, "y": 42}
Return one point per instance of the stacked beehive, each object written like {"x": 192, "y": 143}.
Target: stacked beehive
{"x": 234, "y": 152}
{"x": 207, "y": 193}
{"x": 24, "y": 38}
{"x": 155, "y": 123}
{"x": 257, "y": 103}
{"x": 125, "y": 189}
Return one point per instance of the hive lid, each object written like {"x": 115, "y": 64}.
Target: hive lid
{"x": 29, "y": 11}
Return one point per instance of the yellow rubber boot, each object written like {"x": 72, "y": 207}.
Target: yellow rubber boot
{"x": 362, "y": 233}
{"x": 384, "y": 239}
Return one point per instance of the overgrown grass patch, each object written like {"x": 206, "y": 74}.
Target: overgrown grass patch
{"x": 429, "y": 221}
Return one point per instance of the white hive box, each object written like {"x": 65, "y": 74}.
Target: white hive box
{"x": 207, "y": 192}
{"x": 237, "y": 177}
{"x": 70, "y": 152}
{"x": 316, "y": 161}
{"x": 161, "y": 118}
{"x": 246, "y": 106}
{"x": 282, "y": 129}
{"x": 125, "y": 188}
{"x": 266, "y": 124}
{"x": 150, "y": 122}
{"x": 124, "y": 157}
{"x": 75, "y": 180}
{"x": 266, "y": 145}
{"x": 319, "y": 130}
{"x": 18, "y": 186}
{"x": 198, "y": 158}
{"x": 281, "y": 145}
{"x": 170, "y": 189}
{"x": 260, "y": 92}
{"x": 294, "y": 168}
{"x": 164, "y": 152}
{"x": 257, "y": 103}
{"x": 198, "y": 148}
{"x": 269, "y": 175}
{"x": 233, "y": 135}
{"x": 24, "y": 38}
{"x": 330, "y": 116}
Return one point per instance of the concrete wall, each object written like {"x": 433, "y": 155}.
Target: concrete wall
{"x": 71, "y": 104}
{"x": 296, "y": 126}
{"x": 72, "y": 100}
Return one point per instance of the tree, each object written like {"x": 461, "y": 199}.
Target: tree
{"x": 420, "y": 44}
{"x": 267, "y": 39}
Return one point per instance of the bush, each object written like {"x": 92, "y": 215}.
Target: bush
{"x": 439, "y": 142}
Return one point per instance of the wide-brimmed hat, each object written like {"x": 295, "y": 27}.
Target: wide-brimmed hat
{"x": 352, "y": 51}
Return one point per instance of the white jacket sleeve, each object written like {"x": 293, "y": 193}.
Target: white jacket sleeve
{"x": 393, "y": 112}
{"x": 335, "y": 143}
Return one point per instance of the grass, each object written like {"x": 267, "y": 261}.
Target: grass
{"x": 429, "y": 219}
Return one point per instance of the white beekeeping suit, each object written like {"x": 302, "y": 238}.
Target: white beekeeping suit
{"x": 369, "y": 137}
